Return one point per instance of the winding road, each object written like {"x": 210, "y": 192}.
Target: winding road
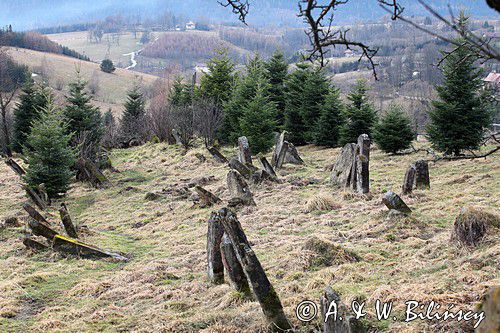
{"x": 132, "y": 58}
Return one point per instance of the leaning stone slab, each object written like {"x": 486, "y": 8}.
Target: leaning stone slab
{"x": 292, "y": 155}
{"x": 394, "y": 201}
{"x": 238, "y": 188}
{"x": 342, "y": 170}
{"x": 72, "y": 246}
{"x": 409, "y": 180}
{"x": 244, "y": 154}
{"x": 243, "y": 169}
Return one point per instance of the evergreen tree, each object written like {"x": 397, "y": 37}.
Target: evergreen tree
{"x": 316, "y": 89}
{"x": 394, "y": 132}
{"x": 257, "y": 122}
{"x": 217, "y": 84}
{"x": 133, "y": 114}
{"x": 277, "y": 71}
{"x": 458, "y": 119}
{"x": 360, "y": 115}
{"x": 245, "y": 90}
{"x": 181, "y": 94}
{"x": 32, "y": 100}
{"x": 49, "y": 155}
{"x": 84, "y": 119}
{"x": 330, "y": 120}
{"x": 294, "y": 123}
{"x": 107, "y": 66}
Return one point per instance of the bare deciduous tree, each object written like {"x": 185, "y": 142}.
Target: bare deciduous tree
{"x": 208, "y": 119}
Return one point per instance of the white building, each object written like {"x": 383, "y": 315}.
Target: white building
{"x": 190, "y": 25}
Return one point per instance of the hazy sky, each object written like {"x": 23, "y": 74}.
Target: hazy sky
{"x": 32, "y": 14}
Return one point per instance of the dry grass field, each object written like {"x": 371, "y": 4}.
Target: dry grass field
{"x": 61, "y": 71}
{"x": 115, "y": 51}
{"x": 164, "y": 288}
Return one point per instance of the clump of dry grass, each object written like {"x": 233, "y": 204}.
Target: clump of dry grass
{"x": 472, "y": 225}
{"x": 319, "y": 253}
{"x": 321, "y": 203}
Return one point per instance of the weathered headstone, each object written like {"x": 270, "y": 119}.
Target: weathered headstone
{"x": 244, "y": 153}
{"x": 409, "y": 180}
{"x": 75, "y": 247}
{"x": 363, "y": 164}
{"x": 15, "y": 167}
{"x": 214, "y": 238}
{"x": 260, "y": 176}
{"x": 34, "y": 245}
{"x": 422, "y": 180}
{"x": 177, "y": 137}
{"x": 235, "y": 164}
{"x": 67, "y": 222}
{"x": 292, "y": 155}
{"x": 256, "y": 276}
{"x": 88, "y": 171}
{"x": 332, "y": 310}
{"x": 207, "y": 198}
{"x": 268, "y": 167}
{"x": 394, "y": 201}
{"x": 42, "y": 229}
{"x": 491, "y": 307}
{"x": 279, "y": 153}
{"x": 33, "y": 195}
{"x": 217, "y": 155}
{"x": 34, "y": 214}
{"x": 341, "y": 173}
{"x": 233, "y": 267}
{"x": 238, "y": 188}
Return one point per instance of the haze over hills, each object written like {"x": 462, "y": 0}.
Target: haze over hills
{"x": 34, "y": 14}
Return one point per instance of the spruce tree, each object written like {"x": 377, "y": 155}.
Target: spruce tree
{"x": 316, "y": 89}
{"x": 277, "y": 71}
{"x": 48, "y": 153}
{"x": 84, "y": 119}
{"x": 32, "y": 100}
{"x": 360, "y": 115}
{"x": 394, "y": 132}
{"x": 217, "y": 84}
{"x": 458, "y": 119}
{"x": 180, "y": 93}
{"x": 294, "y": 123}
{"x": 133, "y": 114}
{"x": 257, "y": 122}
{"x": 330, "y": 120}
{"x": 245, "y": 90}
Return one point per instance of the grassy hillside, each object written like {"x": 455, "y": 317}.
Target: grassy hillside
{"x": 112, "y": 88}
{"x": 164, "y": 286}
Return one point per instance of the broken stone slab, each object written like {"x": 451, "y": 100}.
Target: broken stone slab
{"x": 260, "y": 176}
{"x": 409, "y": 180}
{"x": 72, "y": 246}
{"x": 279, "y": 153}
{"x": 34, "y": 214}
{"x": 217, "y": 155}
{"x": 394, "y": 201}
{"x": 292, "y": 155}
{"x": 67, "y": 222}
{"x": 244, "y": 153}
{"x": 243, "y": 169}
{"x": 33, "y": 195}
{"x": 261, "y": 286}
{"x": 342, "y": 170}
{"x": 42, "y": 229}
{"x": 422, "y": 179}
{"x": 177, "y": 137}
{"x": 233, "y": 267}
{"x": 363, "y": 164}
{"x": 201, "y": 157}
{"x": 87, "y": 171}
{"x": 215, "y": 267}
{"x": 268, "y": 167}
{"x": 491, "y": 306}
{"x": 207, "y": 198}
{"x": 238, "y": 188}
{"x": 34, "y": 245}
{"x": 15, "y": 167}
{"x": 332, "y": 309}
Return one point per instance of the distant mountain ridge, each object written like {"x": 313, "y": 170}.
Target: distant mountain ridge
{"x": 34, "y": 14}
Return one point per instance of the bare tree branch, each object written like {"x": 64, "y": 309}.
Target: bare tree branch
{"x": 239, "y": 7}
